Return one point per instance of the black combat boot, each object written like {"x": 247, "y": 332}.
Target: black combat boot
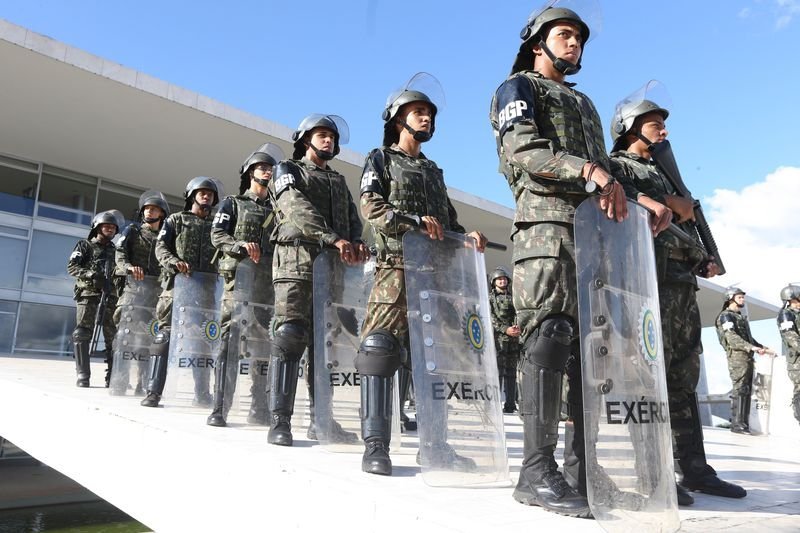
{"x": 109, "y": 366}
{"x": 217, "y": 416}
{"x": 708, "y": 482}
{"x": 740, "y": 414}
{"x": 82, "y": 366}
{"x": 684, "y": 498}
{"x": 435, "y": 452}
{"x": 510, "y": 388}
{"x": 282, "y": 391}
{"x": 259, "y": 403}
{"x": 376, "y": 424}
{"x": 158, "y": 370}
{"x": 405, "y": 386}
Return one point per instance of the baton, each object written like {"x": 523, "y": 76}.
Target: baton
{"x": 416, "y": 223}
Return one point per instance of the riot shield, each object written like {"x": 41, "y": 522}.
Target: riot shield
{"x": 250, "y": 340}
{"x": 341, "y": 293}
{"x": 760, "y": 401}
{"x": 135, "y": 331}
{"x": 453, "y": 361}
{"x": 629, "y": 465}
{"x": 194, "y": 340}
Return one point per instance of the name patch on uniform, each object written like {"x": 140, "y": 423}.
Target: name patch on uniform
{"x": 727, "y": 325}
{"x": 513, "y": 103}
{"x": 221, "y": 217}
{"x": 369, "y": 180}
{"x": 283, "y": 181}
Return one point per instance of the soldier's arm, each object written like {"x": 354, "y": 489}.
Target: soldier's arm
{"x": 356, "y": 226}
{"x": 121, "y": 257}
{"x": 453, "y": 216}
{"x": 732, "y": 338}
{"x": 788, "y": 330}
{"x": 497, "y": 325}
{"x": 223, "y": 227}
{"x": 165, "y": 244}
{"x": 374, "y": 194}
{"x": 296, "y": 209}
{"x": 77, "y": 265}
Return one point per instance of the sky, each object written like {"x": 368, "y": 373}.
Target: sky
{"x": 730, "y": 67}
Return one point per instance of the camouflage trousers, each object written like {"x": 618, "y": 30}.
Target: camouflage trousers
{"x": 507, "y": 358}
{"x": 387, "y": 307}
{"x": 740, "y": 367}
{"x": 164, "y": 311}
{"x": 793, "y": 369}
{"x": 86, "y": 314}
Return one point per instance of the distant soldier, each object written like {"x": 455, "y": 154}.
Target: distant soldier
{"x": 789, "y": 326}
{"x": 506, "y": 335}
{"x": 91, "y": 264}
{"x": 183, "y": 246}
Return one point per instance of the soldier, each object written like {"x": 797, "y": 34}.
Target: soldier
{"x": 397, "y": 177}
{"x": 733, "y": 331}
{"x": 636, "y": 126}
{"x": 183, "y": 246}
{"x": 551, "y": 150}
{"x": 506, "y": 335}
{"x": 91, "y": 264}
{"x": 314, "y": 209}
{"x": 136, "y": 253}
{"x": 789, "y": 326}
{"x": 241, "y": 230}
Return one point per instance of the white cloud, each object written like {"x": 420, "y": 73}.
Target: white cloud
{"x": 786, "y": 10}
{"x": 744, "y": 13}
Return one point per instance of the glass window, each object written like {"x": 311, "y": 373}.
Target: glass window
{"x": 126, "y": 204}
{"x": 8, "y": 314}
{"x": 67, "y": 198}
{"x": 47, "y": 267}
{"x": 18, "y": 188}
{"x": 45, "y": 329}
{"x": 12, "y": 261}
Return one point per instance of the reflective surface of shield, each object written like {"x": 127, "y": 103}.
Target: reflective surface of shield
{"x": 136, "y": 329}
{"x": 341, "y": 293}
{"x": 194, "y": 339}
{"x": 629, "y": 465}
{"x": 459, "y": 415}
{"x": 250, "y": 340}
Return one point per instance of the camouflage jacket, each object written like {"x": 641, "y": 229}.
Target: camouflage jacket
{"x": 395, "y": 181}
{"x": 241, "y": 219}
{"x": 789, "y": 326}
{"x": 545, "y": 132}
{"x": 733, "y": 331}
{"x": 312, "y": 205}
{"x": 675, "y": 260}
{"x": 137, "y": 247}
{"x": 92, "y": 266}
{"x": 184, "y": 237}
{"x": 501, "y": 308}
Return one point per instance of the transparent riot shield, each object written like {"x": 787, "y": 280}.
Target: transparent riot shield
{"x": 629, "y": 465}
{"x": 194, "y": 340}
{"x": 761, "y": 398}
{"x": 453, "y": 361}
{"x": 250, "y": 341}
{"x": 136, "y": 329}
{"x": 341, "y": 293}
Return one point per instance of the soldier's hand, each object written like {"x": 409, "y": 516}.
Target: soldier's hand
{"x": 612, "y": 196}
{"x": 513, "y": 331}
{"x": 362, "y": 252}
{"x": 432, "y": 227}
{"x": 253, "y": 250}
{"x": 137, "y": 272}
{"x": 346, "y": 252}
{"x": 183, "y": 267}
{"x": 682, "y": 207}
{"x": 710, "y": 269}
{"x": 480, "y": 240}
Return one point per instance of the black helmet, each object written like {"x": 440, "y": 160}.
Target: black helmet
{"x": 790, "y": 292}
{"x": 730, "y": 292}
{"x": 155, "y": 198}
{"x": 335, "y": 123}
{"x": 111, "y": 216}
{"x": 266, "y": 153}
{"x": 201, "y": 182}
{"x": 626, "y": 113}
{"x": 422, "y": 87}
{"x": 531, "y": 35}
{"x": 499, "y": 272}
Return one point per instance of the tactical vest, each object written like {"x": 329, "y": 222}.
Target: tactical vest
{"x": 193, "y": 241}
{"x": 101, "y": 257}
{"x": 502, "y": 306}
{"x": 250, "y": 219}
{"x": 141, "y": 247}
{"x": 741, "y": 327}
{"x": 416, "y": 187}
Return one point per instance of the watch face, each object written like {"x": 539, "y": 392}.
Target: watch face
{"x": 590, "y": 186}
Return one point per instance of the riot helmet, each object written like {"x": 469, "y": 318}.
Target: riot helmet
{"x": 730, "y": 292}
{"x": 201, "y": 182}
{"x": 335, "y": 123}
{"x": 155, "y": 198}
{"x": 539, "y": 21}
{"x": 638, "y": 103}
{"x": 111, "y": 216}
{"x": 499, "y": 272}
{"x": 790, "y": 292}
{"x": 267, "y": 153}
{"x": 422, "y": 87}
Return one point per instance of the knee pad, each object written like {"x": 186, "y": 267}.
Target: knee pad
{"x": 379, "y": 354}
{"x": 162, "y": 337}
{"x": 290, "y": 341}
{"x": 550, "y": 345}
{"x": 82, "y": 334}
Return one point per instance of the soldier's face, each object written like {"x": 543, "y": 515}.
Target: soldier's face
{"x": 107, "y": 230}
{"x": 323, "y": 139}
{"x": 565, "y": 41}
{"x": 418, "y": 115}
{"x": 262, "y": 171}
{"x": 794, "y": 304}
{"x": 204, "y": 196}
{"x": 501, "y": 283}
{"x": 152, "y": 212}
{"x": 739, "y": 300}
{"x": 653, "y": 127}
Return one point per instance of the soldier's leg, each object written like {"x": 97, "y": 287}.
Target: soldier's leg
{"x": 741, "y": 378}
{"x": 109, "y": 332}
{"x": 159, "y": 351}
{"x": 793, "y": 369}
{"x": 120, "y": 377}
{"x": 226, "y": 362}
{"x": 86, "y": 310}
{"x": 404, "y": 378}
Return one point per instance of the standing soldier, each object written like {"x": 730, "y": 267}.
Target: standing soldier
{"x": 397, "y": 178}
{"x": 241, "y": 230}
{"x": 136, "y": 252}
{"x": 552, "y": 153}
{"x": 314, "y": 209}
{"x": 183, "y": 246}
{"x": 638, "y": 124}
{"x": 506, "y": 335}
{"x": 789, "y": 326}
{"x": 733, "y": 331}
{"x": 91, "y": 264}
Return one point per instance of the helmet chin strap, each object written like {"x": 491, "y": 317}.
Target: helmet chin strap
{"x": 561, "y": 65}
{"x": 419, "y": 136}
{"x": 206, "y": 208}
{"x": 262, "y": 182}
{"x": 325, "y": 155}
{"x": 151, "y": 220}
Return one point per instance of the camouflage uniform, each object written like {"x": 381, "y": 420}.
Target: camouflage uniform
{"x": 733, "y": 331}
{"x": 546, "y": 132}
{"x": 789, "y": 326}
{"x": 680, "y": 315}
{"x": 501, "y": 307}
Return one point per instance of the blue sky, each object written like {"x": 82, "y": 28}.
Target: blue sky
{"x": 730, "y": 67}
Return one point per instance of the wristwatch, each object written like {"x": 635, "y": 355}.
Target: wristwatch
{"x": 590, "y": 187}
